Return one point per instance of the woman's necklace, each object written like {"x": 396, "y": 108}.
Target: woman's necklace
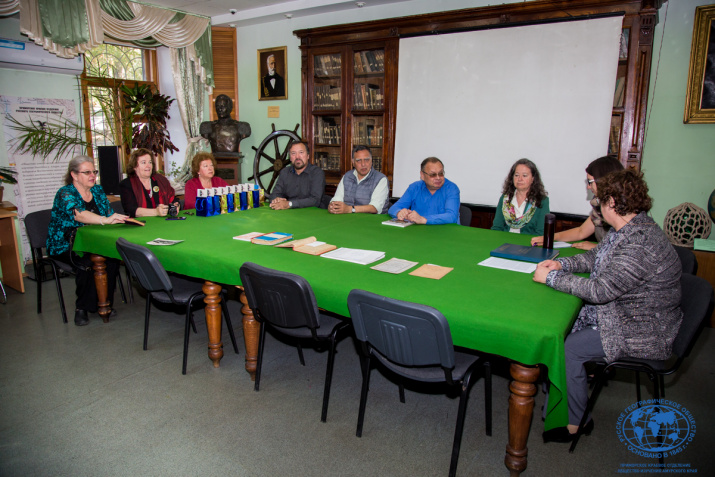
{"x": 148, "y": 187}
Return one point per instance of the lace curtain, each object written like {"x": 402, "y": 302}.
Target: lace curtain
{"x": 190, "y": 99}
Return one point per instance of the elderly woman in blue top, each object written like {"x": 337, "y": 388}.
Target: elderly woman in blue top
{"x": 433, "y": 200}
{"x": 81, "y": 202}
{"x": 631, "y": 299}
{"x": 524, "y": 202}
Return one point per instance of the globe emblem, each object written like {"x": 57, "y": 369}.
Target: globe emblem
{"x": 656, "y": 428}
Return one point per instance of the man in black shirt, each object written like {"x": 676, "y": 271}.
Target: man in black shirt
{"x": 301, "y": 185}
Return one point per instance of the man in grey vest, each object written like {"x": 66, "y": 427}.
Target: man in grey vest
{"x": 362, "y": 189}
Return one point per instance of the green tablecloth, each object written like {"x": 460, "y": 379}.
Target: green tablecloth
{"x": 490, "y": 310}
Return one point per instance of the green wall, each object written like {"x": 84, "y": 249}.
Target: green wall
{"x": 679, "y": 159}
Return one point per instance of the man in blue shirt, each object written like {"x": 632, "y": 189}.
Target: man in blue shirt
{"x": 433, "y": 200}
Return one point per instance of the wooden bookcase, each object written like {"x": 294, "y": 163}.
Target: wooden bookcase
{"x": 348, "y": 100}
{"x": 340, "y": 113}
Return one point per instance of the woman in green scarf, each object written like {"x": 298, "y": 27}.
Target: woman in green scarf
{"x": 524, "y": 202}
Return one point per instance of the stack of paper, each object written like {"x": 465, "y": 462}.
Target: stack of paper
{"x": 354, "y": 255}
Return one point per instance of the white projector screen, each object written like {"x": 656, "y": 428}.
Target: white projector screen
{"x": 481, "y": 100}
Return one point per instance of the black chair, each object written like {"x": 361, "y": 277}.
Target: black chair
{"x": 286, "y": 303}
{"x": 687, "y": 259}
{"x": 163, "y": 288}
{"x": 465, "y": 215}
{"x": 37, "y": 225}
{"x": 697, "y": 303}
{"x": 414, "y": 341}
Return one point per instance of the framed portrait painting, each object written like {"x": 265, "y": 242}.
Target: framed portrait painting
{"x": 272, "y": 73}
{"x": 700, "y": 97}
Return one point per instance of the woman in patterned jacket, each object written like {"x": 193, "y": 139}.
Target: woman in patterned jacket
{"x": 631, "y": 299}
{"x": 81, "y": 202}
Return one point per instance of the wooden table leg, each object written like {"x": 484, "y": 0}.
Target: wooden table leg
{"x": 213, "y": 321}
{"x": 99, "y": 266}
{"x": 251, "y": 329}
{"x": 521, "y": 411}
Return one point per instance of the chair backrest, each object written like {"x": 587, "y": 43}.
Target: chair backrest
{"x": 408, "y": 334}
{"x": 37, "y": 225}
{"x": 117, "y": 207}
{"x": 697, "y": 303}
{"x": 281, "y": 298}
{"x": 687, "y": 260}
{"x": 144, "y": 266}
{"x": 465, "y": 215}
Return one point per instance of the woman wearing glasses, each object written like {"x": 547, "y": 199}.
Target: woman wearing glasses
{"x": 81, "y": 202}
{"x": 524, "y": 201}
{"x": 594, "y": 224}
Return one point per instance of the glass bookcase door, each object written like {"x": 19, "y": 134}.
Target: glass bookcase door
{"x": 369, "y": 80}
{"x": 327, "y": 138}
{"x": 619, "y": 95}
{"x": 327, "y": 70}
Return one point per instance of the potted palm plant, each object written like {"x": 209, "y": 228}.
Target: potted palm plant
{"x": 142, "y": 111}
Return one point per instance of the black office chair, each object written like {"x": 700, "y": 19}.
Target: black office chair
{"x": 697, "y": 303}
{"x": 37, "y": 225}
{"x": 167, "y": 289}
{"x": 414, "y": 341}
{"x": 286, "y": 303}
{"x": 687, "y": 259}
{"x": 465, "y": 215}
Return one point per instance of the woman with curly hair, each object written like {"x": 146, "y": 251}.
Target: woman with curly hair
{"x": 631, "y": 299}
{"x": 524, "y": 201}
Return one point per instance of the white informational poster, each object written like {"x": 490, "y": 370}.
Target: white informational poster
{"x": 480, "y": 100}
{"x": 38, "y": 179}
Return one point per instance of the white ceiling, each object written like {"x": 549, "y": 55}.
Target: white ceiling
{"x": 250, "y": 12}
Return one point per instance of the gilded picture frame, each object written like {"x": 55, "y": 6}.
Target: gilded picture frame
{"x": 700, "y": 97}
{"x": 273, "y": 73}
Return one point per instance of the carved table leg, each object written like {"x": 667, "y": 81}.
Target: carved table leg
{"x": 213, "y": 321}
{"x": 99, "y": 266}
{"x": 251, "y": 329}
{"x": 521, "y": 411}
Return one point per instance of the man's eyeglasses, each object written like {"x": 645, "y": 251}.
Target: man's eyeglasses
{"x": 433, "y": 174}
{"x": 86, "y": 173}
{"x": 589, "y": 182}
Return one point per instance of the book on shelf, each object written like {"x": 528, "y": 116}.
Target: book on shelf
{"x": 273, "y": 238}
{"x": 619, "y": 93}
{"x": 524, "y": 253}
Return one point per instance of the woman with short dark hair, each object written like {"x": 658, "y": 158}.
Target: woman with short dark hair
{"x": 631, "y": 298}
{"x": 524, "y": 201}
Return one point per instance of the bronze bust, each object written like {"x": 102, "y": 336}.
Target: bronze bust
{"x": 224, "y": 134}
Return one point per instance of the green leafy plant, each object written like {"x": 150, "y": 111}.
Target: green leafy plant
{"x": 143, "y": 107}
{"x": 40, "y": 138}
{"x": 153, "y": 109}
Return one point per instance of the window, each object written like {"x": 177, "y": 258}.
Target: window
{"x": 106, "y": 68}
